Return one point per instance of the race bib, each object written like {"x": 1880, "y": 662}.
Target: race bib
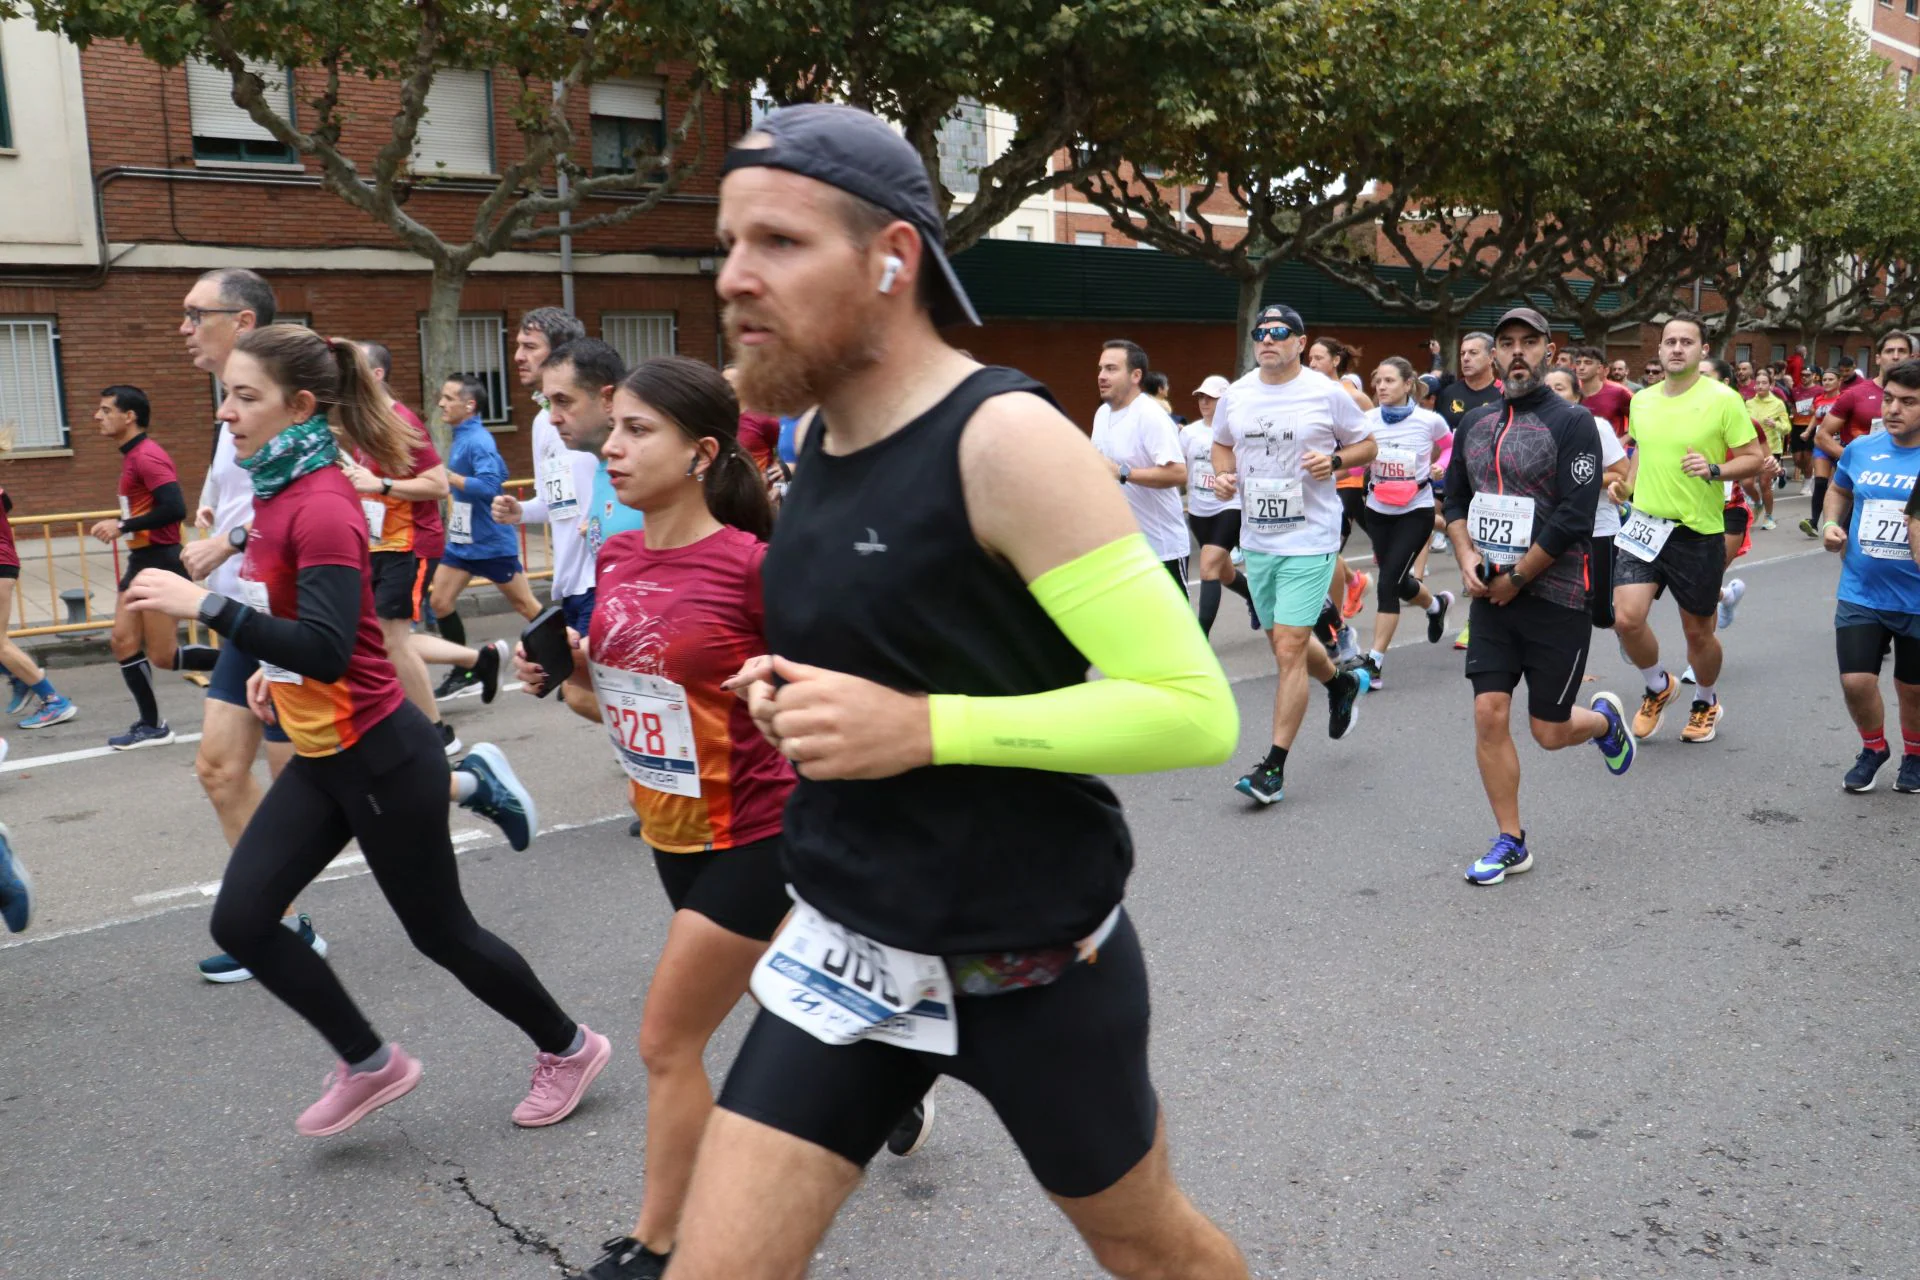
{"x": 1501, "y": 526}
{"x": 376, "y": 514}
{"x": 1271, "y": 504}
{"x": 1642, "y": 536}
{"x": 1726, "y": 491}
{"x": 1877, "y": 424}
{"x": 254, "y": 596}
{"x": 126, "y": 509}
{"x": 839, "y": 986}
{"x": 1200, "y": 477}
{"x": 1396, "y": 464}
{"x": 556, "y": 488}
{"x": 1803, "y": 406}
{"x": 651, "y": 728}
{"x": 460, "y": 522}
{"x": 1883, "y": 529}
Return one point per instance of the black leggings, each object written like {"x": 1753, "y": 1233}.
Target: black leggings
{"x": 1397, "y": 540}
{"x": 389, "y": 792}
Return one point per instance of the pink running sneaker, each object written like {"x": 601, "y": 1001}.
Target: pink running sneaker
{"x": 559, "y": 1083}
{"x": 349, "y": 1098}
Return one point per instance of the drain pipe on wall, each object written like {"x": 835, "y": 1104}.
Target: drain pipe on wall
{"x": 566, "y": 220}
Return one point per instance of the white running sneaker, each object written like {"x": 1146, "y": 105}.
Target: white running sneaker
{"x": 1729, "y": 601}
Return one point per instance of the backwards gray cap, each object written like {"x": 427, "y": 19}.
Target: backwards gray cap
{"x": 860, "y": 154}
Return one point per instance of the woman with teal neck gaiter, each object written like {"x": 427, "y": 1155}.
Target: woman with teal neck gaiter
{"x": 302, "y": 448}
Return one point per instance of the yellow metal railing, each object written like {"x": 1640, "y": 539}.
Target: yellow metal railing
{"x": 91, "y": 562}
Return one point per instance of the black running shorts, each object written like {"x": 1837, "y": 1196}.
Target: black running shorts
{"x": 1863, "y": 636}
{"x": 1690, "y": 566}
{"x": 166, "y": 557}
{"x": 1064, "y": 1066}
{"x": 399, "y": 581}
{"x": 1221, "y": 529}
{"x": 739, "y": 889}
{"x": 1545, "y": 642}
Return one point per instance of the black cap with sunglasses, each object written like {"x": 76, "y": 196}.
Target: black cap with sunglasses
{"x": 1279, "y": 315}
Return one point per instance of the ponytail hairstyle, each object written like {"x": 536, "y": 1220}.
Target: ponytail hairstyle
{"x": 698, "y": 401}
{"x": 1339, "y": 352}
{"x": 335, "y": 370}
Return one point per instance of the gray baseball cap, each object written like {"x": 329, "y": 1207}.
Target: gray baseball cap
{"x": 860, "y": 154}
{"x": 1526, "y": 316}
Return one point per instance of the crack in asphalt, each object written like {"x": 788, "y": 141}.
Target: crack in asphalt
{"x": 526, "y": 1236}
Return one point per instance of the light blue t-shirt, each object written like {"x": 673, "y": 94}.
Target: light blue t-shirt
{"x": 1878, "y": 571}
{"x": 606, "y": 515}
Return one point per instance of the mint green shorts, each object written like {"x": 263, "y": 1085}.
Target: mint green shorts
{"x": 1288, "y": 591}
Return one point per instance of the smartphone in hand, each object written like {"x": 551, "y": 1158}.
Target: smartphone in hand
{"x": 545, "y": 641}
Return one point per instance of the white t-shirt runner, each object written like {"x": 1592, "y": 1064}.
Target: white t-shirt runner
{"x": 1270, "y": 429}
{"x": 1406, "y": 454}
{"x": 1196, "y": 439}
{"x": 229, "y": 491}
{"x": 567, "y": 475}
{"x": 1142, "y": 435}
{"x": 1606, "y": 516}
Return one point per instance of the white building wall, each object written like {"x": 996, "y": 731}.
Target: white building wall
{"x": 46, "y": 182}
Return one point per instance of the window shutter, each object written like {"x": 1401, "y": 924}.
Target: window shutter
{"x": 627, "y": 99}
{"x": 456, "y": 133}
{"x": 210, "y": 100}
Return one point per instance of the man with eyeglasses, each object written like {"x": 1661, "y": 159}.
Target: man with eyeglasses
{"x": 1280, "y": 435}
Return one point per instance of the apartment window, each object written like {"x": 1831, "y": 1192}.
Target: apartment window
{"x": 1833, "y": 357}
{"x": 1093, "y": 238}
{"x": 1906, "y": 73}
{"x": 1779, "y": 353}
{"x": 963, "y": 147}
{"x": 223, "y": 132}
{"x": 1743, "y": 351}
{"x": 1863, "y": 361}
{"x": 629, "y": 119}
{"x": 639, "y": 335}
{"x": 30, "y": 396}
{"x": 1913, "y": 8}
{"x": 456, "y": 133}
{"x": 1023, "y": 233}
{"x": 480, "y": 349}
{"x": 6, "y": 121}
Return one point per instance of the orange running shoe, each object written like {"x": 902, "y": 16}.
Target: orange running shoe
{"x": 1357, "y": 584}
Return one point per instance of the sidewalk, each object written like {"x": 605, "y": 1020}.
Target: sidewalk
{"x": 61, "y": 558}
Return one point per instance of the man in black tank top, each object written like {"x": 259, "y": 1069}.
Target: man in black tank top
{"x": 951, "y": 557}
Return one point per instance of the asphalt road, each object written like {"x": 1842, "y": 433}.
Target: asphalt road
{"x": 1683, "y": 1046}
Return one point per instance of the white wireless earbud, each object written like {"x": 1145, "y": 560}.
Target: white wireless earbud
{"x": 893, "y": 267}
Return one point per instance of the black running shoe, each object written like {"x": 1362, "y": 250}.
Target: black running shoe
{"x": 627, "y": 1259}
{"x": 914, "y": 1129}
{"x": 487, "y": 669}
{"x": 1343, "y": 698}
{"x": 1437, "y": 622}
{"x": 458, "y": 684}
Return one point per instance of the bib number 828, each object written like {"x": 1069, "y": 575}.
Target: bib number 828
{"x": 641, "y": 731}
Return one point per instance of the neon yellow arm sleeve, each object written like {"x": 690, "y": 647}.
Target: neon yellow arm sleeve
{"x": 1164, "y": 703}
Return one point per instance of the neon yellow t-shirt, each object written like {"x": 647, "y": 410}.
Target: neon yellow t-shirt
{"x": 1771, "y": 417}
{"x": 1709, "y": 417}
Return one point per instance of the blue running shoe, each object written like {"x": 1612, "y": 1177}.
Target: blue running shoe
{"x": 1616, "y": 744}
{"x": 1909, "y": 780}
{"x": 21, "y": 694}
{"x": 1343, "y": 701}
{"x": 224, "y": 968}
{"x": 1508, "y": 856}
{"x": 16, "y": 886}
{"x": 53, "y": 711}
{"x": 1262, "y": 784}
{"x": 141, "y": 734}
{"x": 500, "y": 798}
{"x": 1866, "y": 767}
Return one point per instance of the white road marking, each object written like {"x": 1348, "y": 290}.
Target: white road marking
{"x": 85, "y": 753}
{"x": 344, "y": 867}
{"x": 94, "y": 753}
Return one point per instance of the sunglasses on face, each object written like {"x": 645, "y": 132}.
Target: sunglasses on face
{"x": 1273, "y": 333}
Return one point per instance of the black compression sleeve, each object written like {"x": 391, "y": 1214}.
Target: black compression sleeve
{"x": 1571, "y": 520}
{"x": 318, "y": 643}
{"x": 169, "y": 507}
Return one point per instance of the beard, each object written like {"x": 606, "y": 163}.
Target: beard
{"x": 797, "y": 371}
{"x": 1517, "y": 381}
